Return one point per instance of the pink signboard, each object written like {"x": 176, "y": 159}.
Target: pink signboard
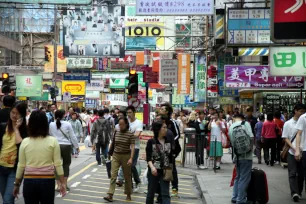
{"x": 258, "y": 77}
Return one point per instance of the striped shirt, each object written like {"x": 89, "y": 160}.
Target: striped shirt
{"x": 123, "y": 141}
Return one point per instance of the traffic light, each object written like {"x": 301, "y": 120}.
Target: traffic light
{"x": 52, "y": 92}
{"x": 6, "y": 83}
{"x": 133, "y": 83}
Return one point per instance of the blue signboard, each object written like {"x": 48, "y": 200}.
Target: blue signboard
{"x": 77, "y": 75}
{"x": 140, "y": 43}
{"x": 225, "y": 91}
{"x": 90, "y": 103}
{"x": 248, "y": 26}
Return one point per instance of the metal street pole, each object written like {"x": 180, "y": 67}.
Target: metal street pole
{"x": 55, "y": 52}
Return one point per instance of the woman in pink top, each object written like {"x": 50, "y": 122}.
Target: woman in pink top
{"x": 269, "y": 138}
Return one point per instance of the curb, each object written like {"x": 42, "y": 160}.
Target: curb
{"x": 203, "y": 190}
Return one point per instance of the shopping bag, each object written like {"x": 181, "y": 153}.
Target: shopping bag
{"x": 144, "y": 179}
{"x": 108, "y": 168}
{"x": 87, "y": 141}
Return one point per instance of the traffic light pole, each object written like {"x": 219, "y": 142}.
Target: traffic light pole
{"x": 55, "y": 52}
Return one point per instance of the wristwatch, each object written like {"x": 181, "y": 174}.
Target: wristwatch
{"x": 16, "y": 184}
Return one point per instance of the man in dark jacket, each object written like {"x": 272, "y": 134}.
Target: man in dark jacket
{"x": 8, "y": 102}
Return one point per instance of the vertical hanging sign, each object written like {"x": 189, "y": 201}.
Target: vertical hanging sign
{"x": 183, "y": 86}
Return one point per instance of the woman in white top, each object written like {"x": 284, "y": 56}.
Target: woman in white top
{"x": 66, "y": 138}
{"x": 216, "y": 126}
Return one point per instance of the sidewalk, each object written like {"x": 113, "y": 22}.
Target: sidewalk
{"x": 215, "y": 186}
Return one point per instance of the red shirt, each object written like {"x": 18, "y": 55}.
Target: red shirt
{"x": 269, "y": 129}
{"x": 280, "y": 124}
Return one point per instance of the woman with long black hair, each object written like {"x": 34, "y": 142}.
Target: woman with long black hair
{"x": 66, "y": 138}
{"x": 159, "y": 158}
{"x": 11, "y": 135}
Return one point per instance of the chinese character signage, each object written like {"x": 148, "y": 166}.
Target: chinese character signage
{"x": 76, "y": 88}
{"x": 122, "y": 63}
{"x": 258, "y": 77}
{"x": 28, "y": 86}
{"x": 138, "y": 26}
{"x": 73, "y": 63}
{"x": 49, "y": 58}
{"x": 95, "y": 85}
{"x": 212, "y": 82}
{"x": 93, "y": 31}
{"x": 183, "y": 84}
{"x": 168, "y": 71}
{"x": 79, "y": 2}
{"x": 286, "y": 61}
{"x": 248, "y": 26}
{"x": 200, "y": 79}
{"x": 174, "y": 7}
{"x": 288, "y": 21}
{"x": 90, "y": 103}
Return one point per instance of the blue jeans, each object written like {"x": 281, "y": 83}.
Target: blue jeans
{"x": 153, "y": 182}
{"x": 37, "y": 191}
{"x": 242, "y": 181}
{"x": 7, "y": 178}
{"x": 101, "y": 148}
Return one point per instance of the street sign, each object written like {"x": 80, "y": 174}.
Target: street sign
{"x": 288, "y": 21}
{"x": 169, "y": 90}
{"x": 287, "y": 61}
{"x": 168, "y": 71}
{"x": 150, "y": 77}
{"x": 67, "y": 97}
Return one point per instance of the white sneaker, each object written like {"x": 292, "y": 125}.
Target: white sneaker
{"x": 203, "y": 167}
{"x": 136, "y": 189}
{"x": 100, "y": 165}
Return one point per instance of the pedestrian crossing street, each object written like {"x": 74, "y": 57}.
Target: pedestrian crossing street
{"x": 91, "y": 184}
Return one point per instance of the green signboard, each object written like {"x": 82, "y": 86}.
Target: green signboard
{"x": 79, "y": 2}
{"x": 28, "y": 86}
{"x": 43, "y": 97}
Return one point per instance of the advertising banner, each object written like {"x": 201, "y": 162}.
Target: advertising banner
{"x": 77, "y": 75}
{"x": 258, "y": 77}
{"x": 116, "y": 83}
{"x": 137, "y": 26}
{"x": 212, "y": 82}
{"x": 248, "y": 26}
{"x": 168, "y": 71}
{"x": 182, "y": 32}
{"x": 174, "y": 8}
{"x": 183, "y": 85}
{"x": 122, "y": 63}
{"x": 285, "y": 61}
{"x": 95, "y": 85}
{"x": 136, "y": 43}
{"x": 92, "y": 94}
{"x": 76, "y": 88}
{"x": 74, "y": 63}
{"x": 200, "y": 78}
{"x": 93, "y": 31}
{"x": 49, "y": 58}
{"x": 28, "y": 86}
{"x": 78, "y": 2}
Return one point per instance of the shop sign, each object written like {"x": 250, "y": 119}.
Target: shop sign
{"x": 223, "y": 91}
{"x": 285, "y": 61}
{"x": 178, "y": 99}
{"x": 122, "y": 63}
{"x": 168, "y": 71}
{"x": 212, "y": 82}
{"x": 258, "y": 77}
{"x": 28, "y": 86}
{"x": 49, "y": 58}
{"x": 93, "y": 31}
{"x": 73, "y": 63}
{"x": 288, "y": 21}
{"x": 181, "y": 39}
{"x": 246, "y": 95}
{"x": 77, "y": 75}
{"x": 183, "y": 85}
{"x": 248, "y": 26}
{"x": 138, "y": 44}
{"x": 228, "y": 100}
{"x": 95, "y": 85}
{"x": 90, "y": 103}
{"x": 92, "y": 94}
{"x": 76, "y": 88}
{"x": 71, "y": 2}
{"x": 103, "y": 64}
{"x": 117, "y": 90}
{"x": 200, "y": 79}
{"x": 174, "y": 7}
{"x": 43, "y": 97}
{"x": 116, "y": 83}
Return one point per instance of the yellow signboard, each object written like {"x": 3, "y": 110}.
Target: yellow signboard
{"x": 139, "y": 116}
{"x": 246, "y": 95}
{"x": 76, "y": 88}
{"x": 146, "y": 27}
{"x": 49, "y": 57}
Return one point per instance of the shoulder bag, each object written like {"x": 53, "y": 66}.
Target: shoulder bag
{"x": 68, "y": 138}
{"x": 286, "y": 148}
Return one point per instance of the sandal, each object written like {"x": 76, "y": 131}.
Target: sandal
{"x": 128, "y": 198}
{"x": 108, "y": 198}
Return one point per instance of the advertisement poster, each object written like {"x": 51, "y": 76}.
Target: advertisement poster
{"x": 49, "y": 58}
{"x": 258, "y": 77}
{"x": 28, "y": 86}
{"x": 135, "y": 43}
{"x": 137, "y": 26}
{"x": 200, "y": 79}
{"x": 183, "y": 86}
{"x": 76, "y": 88}
{"x": 93, "y": 31}
{"x": 181, "y": 40}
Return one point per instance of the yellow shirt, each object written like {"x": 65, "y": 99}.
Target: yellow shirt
{"x": 8, "y": 154}
{"x": 38, "y": 157}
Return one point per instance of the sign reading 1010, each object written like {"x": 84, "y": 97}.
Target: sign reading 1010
{"x": 144, "y": 26}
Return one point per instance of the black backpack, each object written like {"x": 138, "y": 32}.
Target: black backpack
{"x": 103, "y": 130}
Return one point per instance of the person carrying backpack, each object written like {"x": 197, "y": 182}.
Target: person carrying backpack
{"x": 100, "y": 136}
{"x": 241, "y": 137}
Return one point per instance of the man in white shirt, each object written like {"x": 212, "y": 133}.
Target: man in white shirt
{"x": 136, "y": 127}
{"x": 85, "y": 119}
{"x": 295, "y": 167}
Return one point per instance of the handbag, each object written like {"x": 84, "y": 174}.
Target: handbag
{"x": 168, "y": 173}
{"x": 286, "y": 148}
{"x": 68, "y": 138}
